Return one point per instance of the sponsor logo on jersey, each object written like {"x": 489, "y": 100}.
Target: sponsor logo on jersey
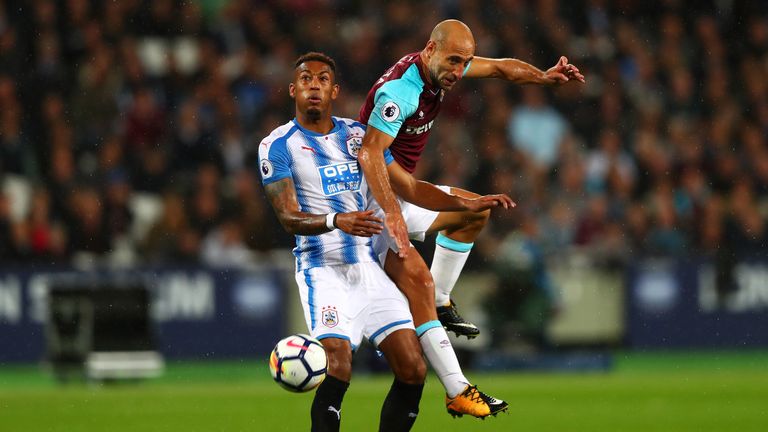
{"x": 413, "y": 130}
{"x": 353, "y": 145}
{"x": 266, "y": 169}
{"x": 330, "y": 316}
{"x": 390, "y": 112}
{"x": 340, "y": 177}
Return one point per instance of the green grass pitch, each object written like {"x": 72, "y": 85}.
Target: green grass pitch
{"x": 673, "y": 392}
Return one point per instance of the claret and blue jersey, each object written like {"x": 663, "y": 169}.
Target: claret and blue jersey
{"x": 404, "y": 105}
{"x": 327, "y": 178}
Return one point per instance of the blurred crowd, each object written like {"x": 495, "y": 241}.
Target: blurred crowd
{"x": 128, "y": 128}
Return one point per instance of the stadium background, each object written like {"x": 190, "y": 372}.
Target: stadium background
{"x": 127, "y": 138}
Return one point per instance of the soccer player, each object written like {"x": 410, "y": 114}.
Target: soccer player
{"x": 311, "y": 176}
{"x": 400, "y": 111}
{"x": 314, "y": 183}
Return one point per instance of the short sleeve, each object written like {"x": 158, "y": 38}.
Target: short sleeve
{"x": 392, "y": 106}
{"x": 274, "y": 161}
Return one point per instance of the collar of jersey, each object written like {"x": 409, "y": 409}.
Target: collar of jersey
{"x": 335, "y": 129}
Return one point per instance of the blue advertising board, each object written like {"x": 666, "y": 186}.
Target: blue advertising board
{"x": 197, "y": 312}
{"x": 682, "y": 303}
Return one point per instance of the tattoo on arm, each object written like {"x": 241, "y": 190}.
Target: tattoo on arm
{"x": 282, "y": 196}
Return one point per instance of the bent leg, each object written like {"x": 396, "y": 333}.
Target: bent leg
{"x": 460, "y": 226}
{"x": 401, "y": 407}
{"x": 458, "y": 231}
{"x": 413, "y": 278}
{"x": 326, "y": 406}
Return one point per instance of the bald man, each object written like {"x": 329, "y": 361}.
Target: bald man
{"x": 400, "y": 111}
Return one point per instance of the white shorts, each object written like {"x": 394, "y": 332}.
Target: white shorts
{"x": 417, "y": 219}
{"x": 351, "y": 302}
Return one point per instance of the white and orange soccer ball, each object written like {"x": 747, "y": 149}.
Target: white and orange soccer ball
{"x": 298, "y": 363}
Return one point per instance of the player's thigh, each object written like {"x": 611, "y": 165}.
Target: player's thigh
{"x": 411, "y": 276}
{"x": 389, "y": 324}
{"x": 387, "y": 309}
{"x": 404, "y": 356}
{"x": 330, "y": 303}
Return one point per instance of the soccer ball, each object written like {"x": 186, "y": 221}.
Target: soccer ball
{"x": 298, "y": 363}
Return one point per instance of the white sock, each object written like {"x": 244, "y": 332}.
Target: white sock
{"x": 439, "y": 352}
{"x": 450, "y": 257}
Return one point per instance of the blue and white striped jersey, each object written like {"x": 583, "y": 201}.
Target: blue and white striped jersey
{"x": 327, "y": 179}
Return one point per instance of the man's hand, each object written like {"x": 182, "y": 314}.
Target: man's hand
{"x": 562, "y": 72}
{"x": 489, "y": 201}
{"x": 360, "y": 223}
{"x": 399, "y": 231}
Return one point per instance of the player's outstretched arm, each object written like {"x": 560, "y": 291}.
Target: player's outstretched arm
{"x": 282, "y": 196}
{"x": 429, "y": 196}
{"x": 521, "y": 72}
{"x": 371, "y": 158}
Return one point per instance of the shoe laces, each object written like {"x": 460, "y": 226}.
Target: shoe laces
{"x": 474, "y": 395}
{"x": 453, "y": 313}
{"x": 490, "y": 400}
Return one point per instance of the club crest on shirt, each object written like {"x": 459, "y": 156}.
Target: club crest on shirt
{"x": 390, "y": 111}
{"x": 353, "y": 145}
{"x": 266, "y": 169}
{"x": 330, "y": 316}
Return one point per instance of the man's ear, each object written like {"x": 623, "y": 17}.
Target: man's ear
{"x": 430, "y": 49}
{"x": 292, "y": 90}
{"x": 335, "y": 92}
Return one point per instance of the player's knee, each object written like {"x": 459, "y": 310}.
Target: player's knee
{"x": 339, "y": 367}
{"x": 426, "y": 288}
{"x": 486, "y": 214}
{"x": 480, "y": 219}
{"x": 418, "y": 281}
{"x": 413, "y": 371}
{"x": 426, "y": 280}
{"x": 339, "y": 360}
{"x": 419, "y": 372}
{"x": 422, "y": 278}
